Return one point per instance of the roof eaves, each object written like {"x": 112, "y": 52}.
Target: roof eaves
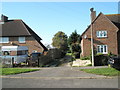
{"x": 24, "y": 26}
{"x": 45, "y": 49}
{"x": 112, "y": 22}
{"x": 85, "y": 30}
{"x": 112, "y": 14}
{"x": 32, "y": 33}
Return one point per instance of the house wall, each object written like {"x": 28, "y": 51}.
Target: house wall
{"x": 102, "y": 23}
{"x": 31, "y": 43}
{"x": 86, "y": 44}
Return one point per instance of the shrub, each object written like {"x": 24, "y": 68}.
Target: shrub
{"x": 76, "y": 50}
{"x": 85, "y": 58}
{"x": 76, "y": 54}
{"x": 100, "y": 60}
{"x": 111, "y": 55}
{"x": 89, "y": 65}
{"x": 99, "y": 54}
{"x": 43, "y": 60}
{"x": 51, "y": 56}
{"x": 55, "y": 53}
{"x": 69, "y": 51}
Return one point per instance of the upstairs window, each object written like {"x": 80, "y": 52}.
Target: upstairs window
{"x": 21, "y": 39}
{"x": 4, "y": 39}
{"x": 101, "y": 34}
{"x": 102, "y": 49}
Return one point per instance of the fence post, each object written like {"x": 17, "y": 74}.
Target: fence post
{"x": 12, "y": 61}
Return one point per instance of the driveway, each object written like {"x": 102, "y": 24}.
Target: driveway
{"x": 59, "y": 77}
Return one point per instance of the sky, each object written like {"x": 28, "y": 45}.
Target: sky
{"x": 47, "y": 18}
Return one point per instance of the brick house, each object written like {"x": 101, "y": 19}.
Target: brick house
{"x": 17, "y": 33}
{"x": 106, "y": 35}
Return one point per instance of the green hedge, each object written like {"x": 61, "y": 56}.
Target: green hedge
{"x": 101, "y": 60}
{"x": 85, "y": 58}
{"x": 76, "y": 54}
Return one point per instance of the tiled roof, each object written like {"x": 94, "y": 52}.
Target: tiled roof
{"x": 114, "y": 17}
{"x": 14, "y": 28}
{"x": 17, "y": 28}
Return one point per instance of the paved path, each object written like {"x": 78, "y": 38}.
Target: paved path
{"x": 59, "y": 77}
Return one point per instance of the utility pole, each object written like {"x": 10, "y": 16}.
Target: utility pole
{"x": 92, "y": 48}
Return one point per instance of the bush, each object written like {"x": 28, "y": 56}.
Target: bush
{"x": 76, "y": 54}
{"x": 55, "y": 53}
{"x": 76, "y": 50}
{"x": 51, "y": 56}
{"x": 85, "y": 58}
{"x": 89, "y": 65}
{"x": 100, "y": 60}
{"x": 69, "y": 51}
{"x": 111, "y": 55}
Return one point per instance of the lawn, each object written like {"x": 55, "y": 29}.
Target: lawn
{"x": 103, "y": 71}
{"x": 10, "y": 71}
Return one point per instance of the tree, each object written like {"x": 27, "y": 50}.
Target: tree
{"x": 60, "y": 41}
{"x": 74, "y": 38}
{"x": 74, "y": 44}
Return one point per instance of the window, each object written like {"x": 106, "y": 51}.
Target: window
{"x": 21, "y": 39}
{"x": 101, "y": 34}
{"x": 4, "y": 39}
{"x": 102, "y": 49}
{"x": 24, "y": 52}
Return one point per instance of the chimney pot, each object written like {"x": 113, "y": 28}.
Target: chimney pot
{"x": 4, "y": 18}
{"x": 93, "y": 14}
{"x": 91, "y": 9}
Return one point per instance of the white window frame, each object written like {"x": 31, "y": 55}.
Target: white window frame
{"x": 101, "y": 34}
{"x": 21, "y": 39}
{"x": 4, "y": 39}
{"x": 102, "y": 49}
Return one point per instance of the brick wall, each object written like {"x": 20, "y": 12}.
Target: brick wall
{"x": 102, "y": 23}
{"x": 31, "y": 43}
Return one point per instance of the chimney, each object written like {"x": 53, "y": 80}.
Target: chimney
{"x": 93, "y": 14}
{"x": 4, "y": 18}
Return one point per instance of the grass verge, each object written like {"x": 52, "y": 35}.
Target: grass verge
{"x": 102, "y": 71}
{"x": 11, "y": 71}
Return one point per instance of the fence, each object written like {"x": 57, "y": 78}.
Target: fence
{"x": 6, "y": 62}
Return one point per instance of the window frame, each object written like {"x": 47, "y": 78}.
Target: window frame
{"x": 4, "y": 39}
{"x": 21, "y": 39}
{"x": 103, "y": 49}
{"x": 101, "y": 34}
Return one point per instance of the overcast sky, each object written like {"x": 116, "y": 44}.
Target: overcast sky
{"x": 47, "y": 18}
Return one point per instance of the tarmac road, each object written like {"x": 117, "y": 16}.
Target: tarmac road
{"x": 59, "y": 77}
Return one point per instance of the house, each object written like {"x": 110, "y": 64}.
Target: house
{"x": 106, "y": 34}
{"x": 18, "y": 33}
